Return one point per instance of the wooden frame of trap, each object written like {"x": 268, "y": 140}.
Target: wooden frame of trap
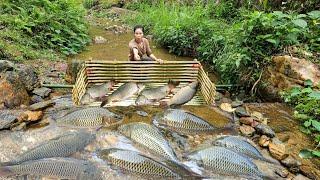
{"x": 149, "y": 72}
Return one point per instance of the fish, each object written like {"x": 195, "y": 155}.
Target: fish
{"x": 137, "y": 163}
{"x": 101, "y": 90}
{"x": 182, "y": 122}
{"x": 149, "y": 96}
{"x": 184, "y": 95}
{"x": 97, "y": 91}
{"x": 63, "y": 168}
{"x": 6, "y": 119}
{"x": 149, "y": 137}
{"x": 225, "y": 162}
{"x": 90, "y": 117}
{"x": 61, "y": 146}
{"x": 239, "y": 145}
{"x": 124, "y": 92}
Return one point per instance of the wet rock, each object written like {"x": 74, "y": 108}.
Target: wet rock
{"x": 265, "y": 130}
{"x": 180, "y": 141}
{"x": 6, "y": 119}
{"x": 247, "y": 130}
{"x": 242, "y": 112}
{"x": 277, "y": 149}
{"x": 34, "y": 115}
{"x": 282, "y": 172}
{"x": 226, "y": 107}
{"x": 99, "y": 40}
{"x": 291, "y": 163}
{"x": 6, "y": 66}
{"x": 300, "y": 177}
{"x": 12, "y": 90}
{"x": 53, "y": 74}
{"x": 28, "y": 77}
{"x": 247, "y": 120}
{"x": 218, "y": 96}
{"x": 41, "y": 105}
{"x": 309, "y": 172}
{"x": 42, "y": 92}
{"x": 287, "y": 72}
{"x": 264, "y": 141}
{"x": 36, "y": 99}
{"x": 235, "y": 104}
{"x": 19, "y": 126}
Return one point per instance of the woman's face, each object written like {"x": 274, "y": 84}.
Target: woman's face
{"x": 138, "y": 34}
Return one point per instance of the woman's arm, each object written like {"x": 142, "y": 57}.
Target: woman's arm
{"x": 156, "y": 59}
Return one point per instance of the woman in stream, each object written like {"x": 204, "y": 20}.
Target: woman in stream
{"x": 139, "y": 47}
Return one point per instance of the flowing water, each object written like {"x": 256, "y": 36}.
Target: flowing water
{"x": 116, "y": 48}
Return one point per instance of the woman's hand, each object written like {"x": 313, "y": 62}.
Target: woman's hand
{"x": 160, "y": 61}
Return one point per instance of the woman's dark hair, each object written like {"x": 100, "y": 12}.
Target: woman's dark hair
{"x": 138, "y": 27}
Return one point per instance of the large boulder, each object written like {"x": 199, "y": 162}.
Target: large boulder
{"x": 12, "y": 91}
{"x": 286, "y": 72}
{"x": 28, "y": 77}
{"x": 6, "y": 66}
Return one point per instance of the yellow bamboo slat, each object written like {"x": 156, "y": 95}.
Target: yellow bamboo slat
{"x": 139, "y": 62}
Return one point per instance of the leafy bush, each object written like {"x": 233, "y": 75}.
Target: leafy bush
{"x": 240, "y": 49}
{"x": 30, "y": 28}
{"x": 306, "y": 102}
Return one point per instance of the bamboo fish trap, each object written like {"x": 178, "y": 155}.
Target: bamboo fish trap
{"x": 150, "y": 73}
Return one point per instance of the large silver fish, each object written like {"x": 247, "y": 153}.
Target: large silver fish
{"x": 137, "y": 163}
{"x": 239, "y": 145}
{"x": 64, "y": 168}
{"x": 225, "y": 162}
{"x": 184, "y": 95}
{"x": 97, "y": 91}
{"x": 182, "y": 122}
{"x": 90, "y": 117}
{"x": 125, "y": 91}
{"x": 149, "y": 137}
{"x": 61, "y": 146}
{"x": 149, "y": 96}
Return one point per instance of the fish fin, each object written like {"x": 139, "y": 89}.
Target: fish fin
{"x": 104, "y": 102}
{"x": 5, "y": 171}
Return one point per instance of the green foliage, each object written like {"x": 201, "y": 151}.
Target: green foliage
{"x": 37, "y": 28}
{"x": 306, "y": 102}
{"x": 88, "y": 4}
{"x": 237, "y": 43}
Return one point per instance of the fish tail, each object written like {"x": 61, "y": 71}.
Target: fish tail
{"x": 5, "y": 171}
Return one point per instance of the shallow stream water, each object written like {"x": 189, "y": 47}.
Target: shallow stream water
{"x": 116, "y": 48}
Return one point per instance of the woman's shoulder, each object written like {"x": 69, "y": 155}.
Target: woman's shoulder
{"x": 145, "y": 40}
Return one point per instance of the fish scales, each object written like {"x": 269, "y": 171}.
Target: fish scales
{"x": 184, "y": 95}
{"x": 224, "y": 161}
{"x": 239, "y": 145}
{"x": 61, "y": 146}
{"x": 135, "y": 162}
{"x": 181, "y": 121}
{"x": 149, "y": 137}
{"x": 88, "y": 117}
{"x": 66, "y": 168}
{"x": 124, "y": 92}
